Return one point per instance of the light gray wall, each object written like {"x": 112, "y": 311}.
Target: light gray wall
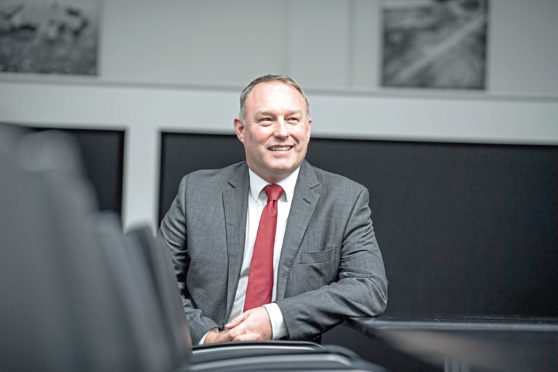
{"x": 180, "y": 65}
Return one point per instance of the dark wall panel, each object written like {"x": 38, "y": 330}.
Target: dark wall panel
{"x": 184, "y": 153}
{"x": 465, "y": 229}
{"x": 102, "y": 156}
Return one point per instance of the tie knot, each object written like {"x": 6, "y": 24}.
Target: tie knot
{"x": 273, "y": 192}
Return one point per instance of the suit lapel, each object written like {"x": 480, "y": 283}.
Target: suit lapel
{"x": 305, "y": 199}
{"x": 235, "y": 204}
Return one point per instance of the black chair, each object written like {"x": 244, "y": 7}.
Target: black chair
{"x": 30, "y": 336}
{"x": 278, "y": 356}
{"x": 160, "y": 272}
{"x": 136, "y": 296}
{"x": 58, "y": 304}
{"x": 223, "y": 351}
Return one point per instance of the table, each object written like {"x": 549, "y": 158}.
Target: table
{"x": 462, "y": 343}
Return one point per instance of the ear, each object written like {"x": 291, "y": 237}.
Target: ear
{"x": 309, "y": 126}
{"x": 239, "y": 129}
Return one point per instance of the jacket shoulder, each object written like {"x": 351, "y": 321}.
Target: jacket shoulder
{"x": 329, "y": 180}
{"x": 213, "y": 176}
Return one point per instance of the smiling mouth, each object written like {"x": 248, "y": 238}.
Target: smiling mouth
{"x": 280, "y": 148}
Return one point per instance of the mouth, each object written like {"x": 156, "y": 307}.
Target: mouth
{"x": 280, "y": 148}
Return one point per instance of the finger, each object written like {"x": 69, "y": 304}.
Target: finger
{"x": 214, "y": 337}
{"x": 248, "y": 337}
{"x": 237, "y": 331}
{"x": 236, "y": 321}
{"x": 224, "y": 336}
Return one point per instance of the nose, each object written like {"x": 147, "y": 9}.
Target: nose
{"x": 281, "y": 129}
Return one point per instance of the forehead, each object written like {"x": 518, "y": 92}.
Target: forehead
{"x": 275, "y": 95}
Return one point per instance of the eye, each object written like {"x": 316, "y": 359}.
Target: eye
{"x": 265, "y": 120}
{"x": 293, "y": 120}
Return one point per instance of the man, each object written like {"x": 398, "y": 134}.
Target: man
{"x": 260, "y": 262}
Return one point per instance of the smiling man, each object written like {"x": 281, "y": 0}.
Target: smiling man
{"x": 273, "y": 248}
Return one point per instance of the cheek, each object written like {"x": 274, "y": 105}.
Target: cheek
{"x": 303, "y": 138}
{"x": 256, "y": 138}
{"x": 251, "y": 140}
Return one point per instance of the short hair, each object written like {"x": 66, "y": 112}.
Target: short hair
{"x": 265, "y": 79}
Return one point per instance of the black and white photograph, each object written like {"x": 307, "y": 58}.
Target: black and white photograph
{"x": 49, "y": 36}
{"x": 435, "y": 43}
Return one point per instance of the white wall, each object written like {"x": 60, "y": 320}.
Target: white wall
{"x": 180, "y": 65}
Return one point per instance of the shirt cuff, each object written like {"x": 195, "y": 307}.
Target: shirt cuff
{"x": 203, "y": 339}
{"x": 277, "y": 323}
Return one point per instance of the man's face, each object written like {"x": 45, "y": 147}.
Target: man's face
{"x": 276, "y": 132}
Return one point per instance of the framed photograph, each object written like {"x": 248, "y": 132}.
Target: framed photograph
{"x": 49, "y": 36}
{"x": 434, "y": 43}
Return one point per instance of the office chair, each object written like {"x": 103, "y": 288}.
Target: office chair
{"x": 161, "y": 275}
{"x": 58, "y": 308}
{"x": 136, "y": 296}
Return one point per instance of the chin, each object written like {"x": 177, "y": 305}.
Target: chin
{"x": 282, "y": 167}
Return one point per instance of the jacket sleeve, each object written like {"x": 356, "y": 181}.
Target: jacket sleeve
{"x": 172, "y": 234}
{"x": 360, "y": 287}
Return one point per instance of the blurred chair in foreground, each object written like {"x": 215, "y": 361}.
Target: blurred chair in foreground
{"x": 61, "y": 308}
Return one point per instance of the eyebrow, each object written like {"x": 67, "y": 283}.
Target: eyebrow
{"x": 270, "y": 113}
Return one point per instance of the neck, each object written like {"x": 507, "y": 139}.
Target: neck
{"x": 271, "y": 178}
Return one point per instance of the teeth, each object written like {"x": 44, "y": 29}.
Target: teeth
{"x": 280, "y": 148}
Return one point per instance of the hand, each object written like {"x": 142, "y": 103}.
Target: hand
{"x": 252, "y": 325}
{"x": 214, "y": 336}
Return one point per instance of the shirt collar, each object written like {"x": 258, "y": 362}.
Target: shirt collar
{"x": 288, "y": 184}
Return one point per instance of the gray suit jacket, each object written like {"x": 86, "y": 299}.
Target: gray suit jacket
{"x": 330, "y": 266}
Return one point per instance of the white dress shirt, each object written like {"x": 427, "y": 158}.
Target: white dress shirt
{"x": 257, "y": 199}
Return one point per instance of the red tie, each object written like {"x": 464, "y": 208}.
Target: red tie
{"x": 260, "y": 279}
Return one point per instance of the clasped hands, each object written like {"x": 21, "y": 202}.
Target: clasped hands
{"x": 252, "y": 325}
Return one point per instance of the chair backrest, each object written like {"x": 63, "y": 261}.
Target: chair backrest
{"x": 32, "y": 335}
{"x": 163, "y": 280}
{"x": 70, "y": 301}
{"x": 136, "y": 295}
{"x": 57, "y": 311}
